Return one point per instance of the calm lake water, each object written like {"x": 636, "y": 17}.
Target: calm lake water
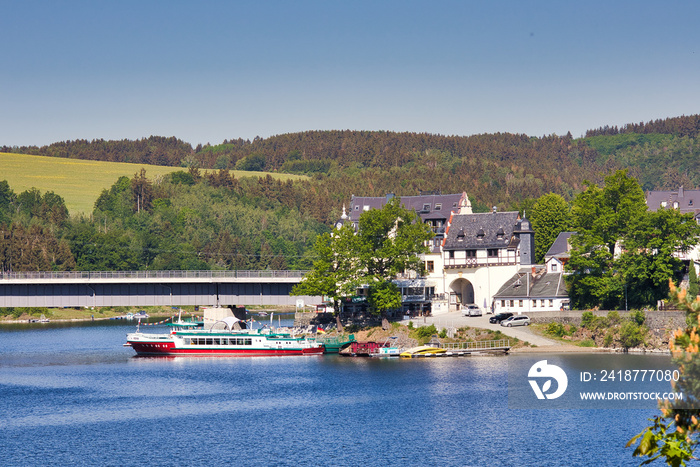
{"x": 74, "y": 395}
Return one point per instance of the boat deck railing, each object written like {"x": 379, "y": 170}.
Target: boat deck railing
{"x": 478, "y": 345}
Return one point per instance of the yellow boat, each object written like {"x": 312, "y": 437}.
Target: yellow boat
{"x": 421, "y": 350}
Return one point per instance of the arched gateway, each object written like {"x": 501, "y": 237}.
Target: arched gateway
{"x": 461, "y": 291}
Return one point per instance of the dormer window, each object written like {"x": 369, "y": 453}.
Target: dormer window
{"x": 460, "y": 235}
{"x": 500, "y": 233}
{"x": 365, "y": 208}
{"x": 664, "y": 204}
{"x": 438, "y": 206}
{"x": 480, "y": 234}
{"x": 426, "y": 208}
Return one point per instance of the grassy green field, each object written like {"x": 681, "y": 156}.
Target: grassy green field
{"x": 80, "y": 182}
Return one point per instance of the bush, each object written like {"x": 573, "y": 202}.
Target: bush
{"x": 426, "y": 331}
{"x": 614, "y": 318}
{"x": 587, "y": 319}
{"x": 631, "y": 335}
{"x": 607, "y": 340}
{"x": 560, "y": 330}
{"x": 410, "y": 325}
{"x": 638, "y": 317}
{"x": 587, "y": 343}
{"x": 443, "y": 334}
{"x": 556, "y": 329}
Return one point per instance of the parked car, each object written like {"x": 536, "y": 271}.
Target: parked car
{"x": 471, "y": 310}
{"x": 516, "y": 321}
{"x": 496, "y": 319}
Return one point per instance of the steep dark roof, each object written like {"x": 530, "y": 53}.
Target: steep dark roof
{"x": 560, "y": 247}
{"x": 526, "y": 285}
{"x": 447, "y": 203}
{"x": 482, "y": 230}
{"x": 688, "y": 200}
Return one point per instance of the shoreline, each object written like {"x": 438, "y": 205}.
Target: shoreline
{"x": 555, "y": 349}
{"x": 544, "y": 349}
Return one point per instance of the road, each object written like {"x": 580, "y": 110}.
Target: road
{"x": 455, "y": 319}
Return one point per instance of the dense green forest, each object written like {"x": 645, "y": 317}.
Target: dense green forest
{"x": 194, "y": 221}
{"x": 185, "y": 221}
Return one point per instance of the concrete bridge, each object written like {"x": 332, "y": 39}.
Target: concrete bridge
{"x": 150, "y": 288}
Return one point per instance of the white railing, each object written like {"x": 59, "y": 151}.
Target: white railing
{"x": 478, "y": 345}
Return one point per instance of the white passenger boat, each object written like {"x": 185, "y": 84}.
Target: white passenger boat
{"x": 187, "y": 338}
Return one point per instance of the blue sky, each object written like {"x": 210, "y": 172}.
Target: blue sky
{"x": 206, "y": 71}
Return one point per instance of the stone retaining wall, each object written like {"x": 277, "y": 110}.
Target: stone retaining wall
{"x": 655, "y": 320}
{"x": 312, "y": 319}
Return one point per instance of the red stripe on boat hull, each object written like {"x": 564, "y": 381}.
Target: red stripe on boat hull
{"x": 169, "y": 349}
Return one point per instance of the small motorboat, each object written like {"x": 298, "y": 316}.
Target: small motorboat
{"x": 422, "y": 350}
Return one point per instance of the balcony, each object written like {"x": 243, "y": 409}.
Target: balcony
{"x": 465, "y": 263}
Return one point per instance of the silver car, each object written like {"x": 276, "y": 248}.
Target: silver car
{"x": 471, "y": 310}
{"x": 516, "y": 321}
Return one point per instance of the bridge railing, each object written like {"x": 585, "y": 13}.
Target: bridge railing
{"x": 203, "y": 274}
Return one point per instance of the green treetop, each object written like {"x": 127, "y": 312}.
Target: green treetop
{"x": 623, "y": 255}
{"x": 550, "y": 216}
{"x": 387, "y": 242}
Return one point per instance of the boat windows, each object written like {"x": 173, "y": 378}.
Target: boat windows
{"x": 209, "y": 341}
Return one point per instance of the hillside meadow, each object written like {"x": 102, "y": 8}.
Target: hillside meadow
{"x": 79, "y": 182}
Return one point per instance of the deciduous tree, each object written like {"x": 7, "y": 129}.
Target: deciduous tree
{"x": 550, "y": 216}
{"x": 623, "y": 255}
{"x": 388, "y": 241}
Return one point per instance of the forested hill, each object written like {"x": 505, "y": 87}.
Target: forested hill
{"x": 495, "y": 169}
{"x": 195, "y": 219}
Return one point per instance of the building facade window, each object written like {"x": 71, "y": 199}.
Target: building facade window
{"x": 520, "y": 303}
{"x": 492, "y": 252}
{"x": 430, "y": 266}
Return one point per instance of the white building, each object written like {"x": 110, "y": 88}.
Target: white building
{"x": 470, "y": 258}
{"x": 480, "y": 253}
{"x": 537, "y": 287}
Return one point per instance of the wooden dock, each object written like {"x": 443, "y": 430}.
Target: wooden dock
{"x": 466, "y": 349}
